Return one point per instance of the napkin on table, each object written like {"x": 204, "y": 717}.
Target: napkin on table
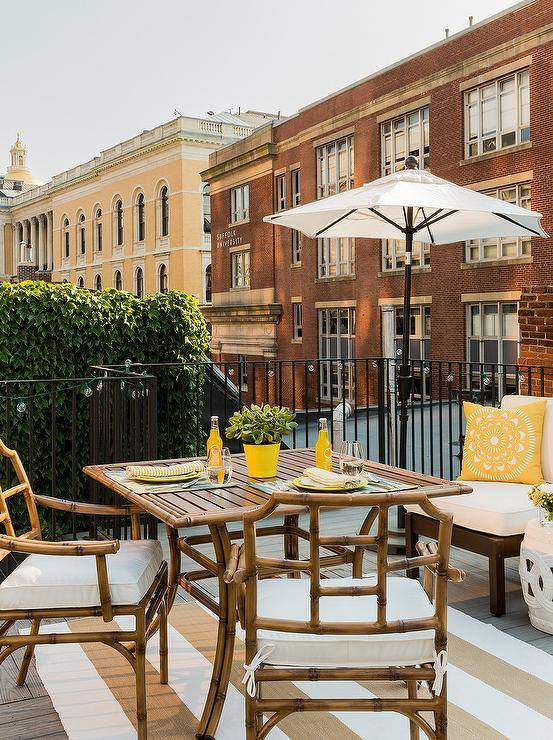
{"x": 164, "y": 471}
{"x": 333, "y": 480}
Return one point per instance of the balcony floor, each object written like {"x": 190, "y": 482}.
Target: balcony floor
{"x": 27, "y": 713}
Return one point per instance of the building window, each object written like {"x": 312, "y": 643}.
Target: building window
{"x": 140, "y": 218}
{"x": 240, "y": 269}
{"x": 98, "y": 282}
{"x": 335, "y": 257}
{"x": 163, "y": 279}
{"x": 296, "y": 187}
{"x": 296, "y": 247}
{"x": 118, "y": 223}
{"x": 118, "y": 280}
{"x": 139, "y": 283}
{"x": 335, "y": 167}
{"x": 98, "y": 230}
{"x": 164, "y": 211}
{"x": 206, "y": 208}
{"x": 497, "y": 115}
{"x": 65, "y": 238}
{"x": 243, "y": 372}
{"x": 82, "y": 234}
{"x": 297, "y": 320}
{"x": 207, "y": 283}
{"x": 393, "y": 254}
{"x": 492, "y": 333}
{"x": 405, "y": 136}
{"x": 336, "y": 342}
{"x": 419, "y": 332}
{"x": 80, "y": 282}
{"x": 281, "y": 192}
{"x": 480, "y": 250}
{"x": 240, "y": 204}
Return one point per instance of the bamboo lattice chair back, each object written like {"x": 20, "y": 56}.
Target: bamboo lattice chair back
{"x": 23, "y": 488}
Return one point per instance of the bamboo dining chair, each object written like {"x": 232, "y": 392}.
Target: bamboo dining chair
{"x": 58, "y": 581}
{"x": 382, "y": 627}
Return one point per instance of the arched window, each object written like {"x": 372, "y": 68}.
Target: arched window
{"x": 139, "y": 283}
{"x": 98, "y": 282}
{"x": 82, "y": 234}
{"x": 206, "y": 207}
{"x": 65, "y": 238}
{"x": 140, "y": 219}
{"x": 98, "y": 230}
{"x": 163, "y": 281}
{"x": 207, "y": 279}
{"x": 118, "y": 280}
{"x": 164, "y": 211}
{"x": 118, "y": 223}
{"x": 80, "y": 282}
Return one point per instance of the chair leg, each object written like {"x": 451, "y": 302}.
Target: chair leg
{"x": 251, "y": 719}
{"x": 412, "y": 694}
{"x": 497, "y": 582}
{"x": 29, "y": 650}
{"x": 141, "y": 715}
{"x": 163, "y": 649}
{"x": 411, "y": 539}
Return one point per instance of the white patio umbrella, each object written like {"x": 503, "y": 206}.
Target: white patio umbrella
{"x": 410, "y": 205}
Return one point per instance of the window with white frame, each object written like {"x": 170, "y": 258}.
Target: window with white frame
{"x": 297, "y": 320}
{"x": 118, "y": 280}
{"x": 296, "y": 247}
{"x": 206, "y": 208}
{"x": 140, "y": 224}
{"x": 335, "y": 257}
{"x": 335, "y": 165}
{"x": 239, "y": 204}
{"x": 295, "y": 179}
{"x": 243, "y": 372}
{"x": 82, "y": 234}
{"x": 98, "y": 282}
{"x": 480, "y": 250}
{"x": 164, "y": 211}
{"x": 405, "y": 136}
{"x": 336, "y": 342}
{"x": 497, "y": 114}
{"x": 493, "y": 332}
{"x": 281, "y": 192}
{"x": 65, "y": 238}
{"x": 240, "y": 269}
{"x": 419, "y": 331}
{"x": 98, "y": 230}
{"x": 118, "y": 224}
{"x": 163, "y": 279}
{"x": 393, "y": 254}
{"x": 139, "y": 283}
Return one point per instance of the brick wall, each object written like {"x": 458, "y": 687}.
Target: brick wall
{"x": 535, "y": 317}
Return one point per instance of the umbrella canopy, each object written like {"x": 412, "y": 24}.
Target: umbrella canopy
{"x": 442, "y": 212}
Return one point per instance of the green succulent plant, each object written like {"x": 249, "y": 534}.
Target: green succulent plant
{"x": 261, "y": 425}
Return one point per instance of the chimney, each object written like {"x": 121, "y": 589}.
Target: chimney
{"x": 447, "y": 33}
{"x": 471, "y": 18}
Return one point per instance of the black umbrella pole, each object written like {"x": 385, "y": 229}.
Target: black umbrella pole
{"x": 404, "y": 377}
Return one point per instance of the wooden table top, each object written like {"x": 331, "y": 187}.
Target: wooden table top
{"x": 188, "y": 508}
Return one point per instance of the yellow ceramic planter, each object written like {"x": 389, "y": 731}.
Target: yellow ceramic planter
{"x": 262, "y": 460}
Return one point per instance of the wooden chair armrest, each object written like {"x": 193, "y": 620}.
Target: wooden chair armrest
{"x": 42, "y": 547}
{"x": 79, "y": 507}
{"x": 456, "y": 575}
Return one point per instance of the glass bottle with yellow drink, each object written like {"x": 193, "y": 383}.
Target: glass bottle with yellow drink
{"x": 214, "y": 451}
{"x": 323, "y": 448}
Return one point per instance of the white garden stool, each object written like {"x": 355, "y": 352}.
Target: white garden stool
{"x": 536, "y": 574}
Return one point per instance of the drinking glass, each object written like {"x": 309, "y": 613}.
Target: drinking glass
{"x": 219, "y": 465}
{"x": 351, "y": 458}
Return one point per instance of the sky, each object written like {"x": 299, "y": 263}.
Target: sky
{"x": 78, "y": 76}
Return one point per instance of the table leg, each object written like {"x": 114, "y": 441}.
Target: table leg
{"x": 224, "y": 651}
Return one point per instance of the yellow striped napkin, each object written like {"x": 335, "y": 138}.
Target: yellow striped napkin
{"x": 329, "y": 479}
{"x": 164, "y": 471}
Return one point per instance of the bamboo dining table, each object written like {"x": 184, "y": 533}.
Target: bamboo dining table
{"x": 217, "y": 508}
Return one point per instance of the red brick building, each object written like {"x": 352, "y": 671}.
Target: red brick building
{"x": 476, "y": 109}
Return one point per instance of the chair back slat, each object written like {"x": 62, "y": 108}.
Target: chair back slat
{"x": 23, "y": 487}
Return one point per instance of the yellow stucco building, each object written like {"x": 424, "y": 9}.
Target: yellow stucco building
{"x": 136, "y": 217}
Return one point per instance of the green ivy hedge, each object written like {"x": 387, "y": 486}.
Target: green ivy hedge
{"x": 58, "y": 331}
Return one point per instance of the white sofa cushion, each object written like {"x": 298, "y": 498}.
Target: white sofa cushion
{"x": 60, "y": 581}
{"x": 284, "y": 598}
{"x": 511, "y": 402}
{"x": 495, "y": 508}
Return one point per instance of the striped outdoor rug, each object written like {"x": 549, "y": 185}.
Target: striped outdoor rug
{"x": 498, "y": 687}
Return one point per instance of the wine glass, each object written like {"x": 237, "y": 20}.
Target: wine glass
{"x": 219, "y": 465}
{"x": 351, "y": 458}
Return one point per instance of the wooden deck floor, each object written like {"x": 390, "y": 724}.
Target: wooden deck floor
{"x": 26, "y": 713}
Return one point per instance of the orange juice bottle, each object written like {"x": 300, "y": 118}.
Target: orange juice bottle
{"x": 323, "y": 448}
{"x": 214, "y": 440}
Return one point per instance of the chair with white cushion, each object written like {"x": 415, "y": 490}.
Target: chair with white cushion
{"x": 60, "y": 580}
{"x": 491, "y": 520}
{"x": 380, "y": 627}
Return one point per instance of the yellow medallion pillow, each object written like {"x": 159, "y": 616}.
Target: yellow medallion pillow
{"x": 503, "y": 445}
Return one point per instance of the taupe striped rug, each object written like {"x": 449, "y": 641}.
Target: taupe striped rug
{"x": 498, "y": 687}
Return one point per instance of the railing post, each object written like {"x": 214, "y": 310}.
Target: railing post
{"x": 381, "y": 401}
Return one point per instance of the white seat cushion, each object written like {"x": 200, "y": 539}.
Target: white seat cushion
{"x": 495, "y": 508}
{"x": 283, "y": 598}
{"x": 50, "y": 581}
